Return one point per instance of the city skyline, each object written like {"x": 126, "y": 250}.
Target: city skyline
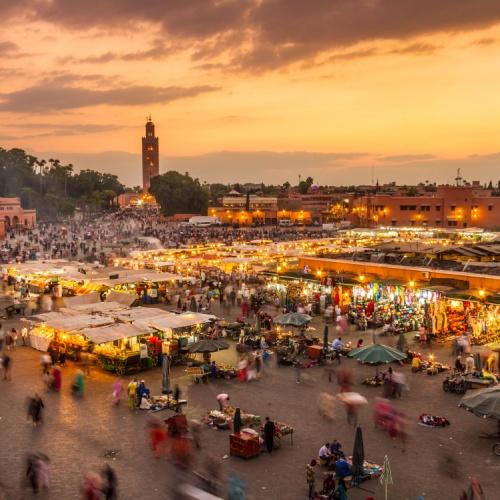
{"x": 242, "y": 91}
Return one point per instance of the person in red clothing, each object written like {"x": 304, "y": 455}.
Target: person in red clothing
{"x": 158, "y": 436}
{"x": 91, "y": 489}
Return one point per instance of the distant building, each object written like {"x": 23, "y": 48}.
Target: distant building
{"x": 136, "y": 200}
{"x": 150, "y": 156}
{"x": 12, "y": 215}
{"x": 253, "y": 209}
{"x": 314, "y": 203}
{"x": 449, "y": 207}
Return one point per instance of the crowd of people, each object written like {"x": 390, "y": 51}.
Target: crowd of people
{"x": 94, "y": 239}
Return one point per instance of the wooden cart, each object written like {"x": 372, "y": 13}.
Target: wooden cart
{"x": 245, "y": 445}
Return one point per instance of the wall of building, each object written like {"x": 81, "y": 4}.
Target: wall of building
{"x": 449, "y": 207}
{"x": 403, "y": 273}
{"x": 235, "y": 215}
{"x": 12, "y": 215}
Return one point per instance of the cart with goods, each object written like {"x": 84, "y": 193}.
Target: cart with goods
{"x": 165, "y": 402}
{"x": 244, "y": 444}
{"x": 455, "y": 383}
{"x": 197, "y": 374}
{"x": 226, "y": 371}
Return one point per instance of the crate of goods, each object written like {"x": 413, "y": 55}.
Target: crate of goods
{"x": 243, "y": 444}
{"x": 314, "y": 351}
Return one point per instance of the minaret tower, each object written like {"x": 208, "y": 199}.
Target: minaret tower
{"x": 150, "y": 156}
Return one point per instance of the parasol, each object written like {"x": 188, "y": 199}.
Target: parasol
{"x": 386, "y": 476}
{"x": 376, "y": 354}
{"x": 358, "y": 454}
{"x": 207, "y": 346}
{"x": 484, "y": 403}
{"x": 165, "y": 370}
{"x": 325, "y": 339}
{"x": 292, "y": 319}
{"x": 352, "y": 398}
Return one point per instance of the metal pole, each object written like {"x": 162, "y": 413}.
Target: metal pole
{"x": 165, "y": 381}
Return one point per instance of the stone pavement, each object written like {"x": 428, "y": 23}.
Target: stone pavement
{"x": 77, "y": 433}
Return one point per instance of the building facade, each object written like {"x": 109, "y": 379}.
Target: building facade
{"x": 150, "y": 156}
{"x": 13, "y": 216}
{"x": 449, "y": 207}
{"x": 244, "y": 210}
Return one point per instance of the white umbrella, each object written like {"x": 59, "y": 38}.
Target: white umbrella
{"x": 352, "y": 398}
{"x": 386, "y": 476}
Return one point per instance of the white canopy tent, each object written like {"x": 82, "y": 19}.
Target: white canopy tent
{"x": 110, "y": 333}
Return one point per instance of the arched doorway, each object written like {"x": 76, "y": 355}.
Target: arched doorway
{"x": 15, "y": 221}
{"x": 7, "y": 221}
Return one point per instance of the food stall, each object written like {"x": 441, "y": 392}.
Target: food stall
{"x": 62, "y": 331}
{"x": 123, "y": 348}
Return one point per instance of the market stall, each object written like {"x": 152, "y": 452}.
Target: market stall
{"x": 123, "y": 348}
{"x": 62, "y": 331}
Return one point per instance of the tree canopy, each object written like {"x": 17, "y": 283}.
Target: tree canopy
{"x": 178, "y": 193}
{"x": 52, "y": 188}
{"x": 304, "y": 186}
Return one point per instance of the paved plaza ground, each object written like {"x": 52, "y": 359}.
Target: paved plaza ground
{"x": 77, "y": 433}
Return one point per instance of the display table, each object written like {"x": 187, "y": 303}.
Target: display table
{"x": 39, "y": 342}
{"x": 243, "y": 444}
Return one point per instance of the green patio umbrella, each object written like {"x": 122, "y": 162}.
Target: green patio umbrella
{"x": 292, "y": 319}
{"x": 376, "y": 354}
{"x": 484, "y": 403}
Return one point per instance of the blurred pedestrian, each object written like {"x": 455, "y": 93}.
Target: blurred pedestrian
{"x": 195, "y": 426}
{"x": 55, "y": 380}
{"x": 92, "y": 487}
{"x": 6, "y": 365}
{"x": 78, "y": 386}
{"x": 109, "y": 483}
{"x": 43, "y": 471}
{"x": 35, "y": 407}
{"x": 45, "y": 362}
{"x": 32, "y": 472}
{"x": 14, "y": 336}
{"x": 24, "y": 335}
{"x": 117, "y": 391}
{"x": 158, "y": 437}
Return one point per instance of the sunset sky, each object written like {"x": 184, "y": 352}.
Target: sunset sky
{"x": 257, "y": 90}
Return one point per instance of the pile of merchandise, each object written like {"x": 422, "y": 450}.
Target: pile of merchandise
{"x": 432, "y": 420}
